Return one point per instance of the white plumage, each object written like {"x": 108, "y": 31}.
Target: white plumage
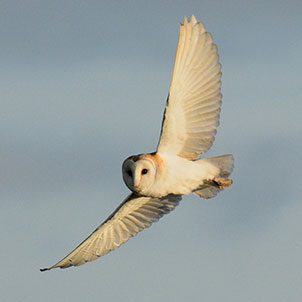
{"x": 159, "y": 179}
{"x": 193, "y": 106}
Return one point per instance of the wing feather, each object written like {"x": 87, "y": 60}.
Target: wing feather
{"x": 132, "y": 216}
{"x": 193, "y": 106}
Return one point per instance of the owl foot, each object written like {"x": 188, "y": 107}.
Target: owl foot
{"x": 223, "y": 183}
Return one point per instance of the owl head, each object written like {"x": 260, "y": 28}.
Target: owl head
{"x": 139, "y": 173}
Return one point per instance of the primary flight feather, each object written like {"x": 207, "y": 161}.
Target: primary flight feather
{"x": 159, "y": 179}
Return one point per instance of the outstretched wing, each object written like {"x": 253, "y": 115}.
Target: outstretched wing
{"x": 193, "y": 106}
{"x": 132, "y": 216}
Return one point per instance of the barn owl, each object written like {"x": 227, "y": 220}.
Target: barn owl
{"x": 159, "y": 179}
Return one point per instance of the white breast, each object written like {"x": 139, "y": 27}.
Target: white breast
{"x": 181, "y": 176}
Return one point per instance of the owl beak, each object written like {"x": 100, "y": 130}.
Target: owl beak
{"x": 135, "y": 186}
{"x": 136, "y": 183}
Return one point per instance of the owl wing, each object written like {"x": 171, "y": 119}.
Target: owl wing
{"x": 132, "y": 216}
{"x": 193, "y": 106}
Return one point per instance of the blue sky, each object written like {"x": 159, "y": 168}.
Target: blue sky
{"x": 83, "y": 86}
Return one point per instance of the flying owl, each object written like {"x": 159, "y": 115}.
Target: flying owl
{"x": 159, "y": 179}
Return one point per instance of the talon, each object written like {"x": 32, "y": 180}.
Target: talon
{"x": 223, "y": 182}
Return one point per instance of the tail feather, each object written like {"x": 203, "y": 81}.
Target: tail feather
{"x": 224, "y": 162}
{"x": 207, "y": 191}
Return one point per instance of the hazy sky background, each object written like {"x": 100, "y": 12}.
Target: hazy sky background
{"x": 82, "y": 86}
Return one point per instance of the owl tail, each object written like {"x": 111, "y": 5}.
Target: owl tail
{"x": 211, "y": 188}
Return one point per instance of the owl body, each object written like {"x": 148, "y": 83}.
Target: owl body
{"x": 184, "y": 176}
{"x": 158, "y": 175}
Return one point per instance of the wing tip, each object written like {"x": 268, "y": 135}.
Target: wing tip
{"x": 185, "y": 20}
{"x": 51, "y": 267}
{"x": 192, "y": 21}
{"x": 45, "y": 269}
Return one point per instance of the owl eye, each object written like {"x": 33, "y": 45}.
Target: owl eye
{"x": 144, "y": 171}
{"x": 129, "y": 172}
